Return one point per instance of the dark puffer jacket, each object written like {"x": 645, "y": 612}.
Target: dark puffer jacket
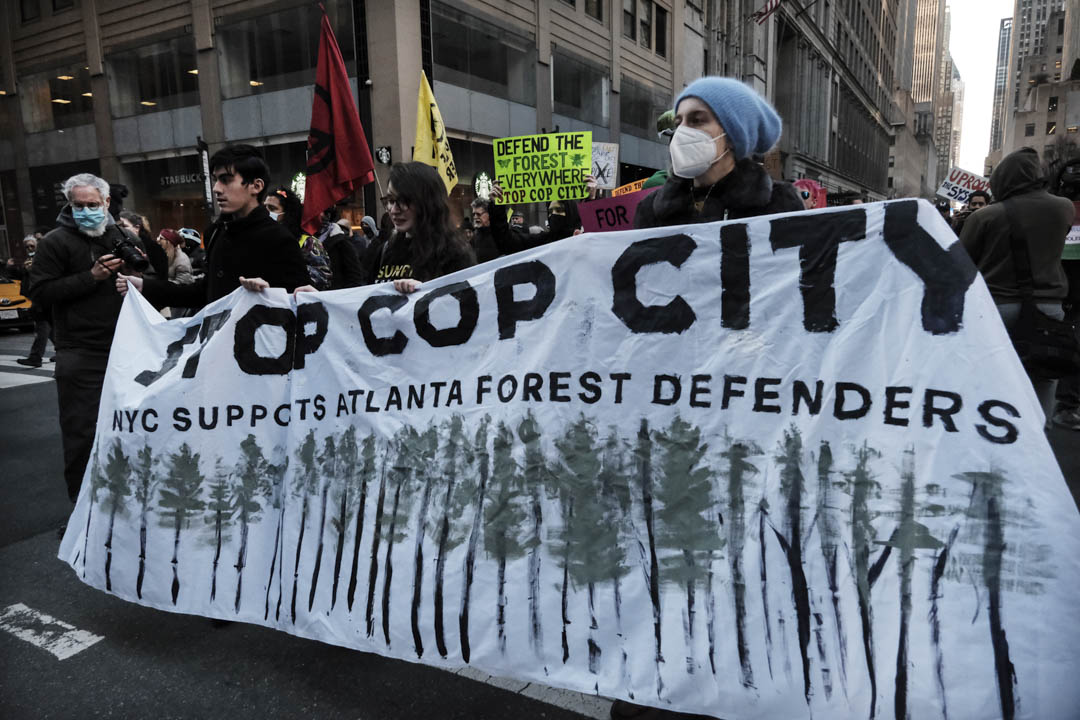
{"x": 84, "y": 310}
{"x": 1019, "y": 188}
{"x": 747, "y": 191}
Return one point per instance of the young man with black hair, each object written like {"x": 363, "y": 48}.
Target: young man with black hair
{"x": 243, "y": 247}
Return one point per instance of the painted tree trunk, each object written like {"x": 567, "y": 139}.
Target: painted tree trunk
{"x": 217, "y": 555}
{"x": 108, "y": 549}
{"x": 594, "y": 648}
{"x": 762, "y": 512}
{"x": 373, "y": 571}
{"x": 645, "y": 478}
{"x": 323, "y": 498}
{"x": 935, "y": 620}
{"x": 470, "y": 563}
{"x": 710, "y": 619}
{"x": 388, "y": 567}
{"x": 535, "y": 640}
{"x": 418, "y": 571}
{"x": 440, "y": 571}
{"x": 241, "y": 557}
{"x": 500, "y": 611}
{"x": 994, "y": 540}
{"x": 273, "y": 564}
{"x": 357, "y": 535}
{"x": 142, "y": 553}
{"x": 86, "y": 538}
{"x": 176, "y": 559}
{"x": 296, "y": 563}
{"x": 339, "y": 553}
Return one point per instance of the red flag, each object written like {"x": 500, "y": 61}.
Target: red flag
{"x": 338, "y": 158}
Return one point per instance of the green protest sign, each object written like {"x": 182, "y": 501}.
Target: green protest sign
{"x": 543, "y": 168}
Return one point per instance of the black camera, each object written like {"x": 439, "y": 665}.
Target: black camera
{"x": 130, "y": 254}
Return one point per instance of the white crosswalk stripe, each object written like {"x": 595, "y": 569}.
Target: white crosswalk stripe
{"x": 58, "y": 637}
{"x": 13, "y": 374}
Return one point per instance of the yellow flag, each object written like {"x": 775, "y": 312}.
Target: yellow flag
{"x": 432, "y": 147}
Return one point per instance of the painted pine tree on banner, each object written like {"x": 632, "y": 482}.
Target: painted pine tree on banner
{"x": 503, "y": 519}
{"x": 827, "y": 520}
{"x": 533, "y": 477}
{"x": 348, "y": 482}
{"x": 145, "y": 486}
{"x": 477, "y": 455}
{"x": 366, "y": 472}
{"x": 588, "y": 541}
{"x": 643, "y": 468}
{"x": 617, "y": 508}
{"x": 789, "y": 457}
{"x": 306, "y": 485}
{"x": 687, "y": 527}
{"x": 452, "y": 457}
{"x": 328, "y": 472}
{"x": 403, "y": 475}
{"x": 376, "y": 534}
{"x": 737, "y": 472}
{"x": 252, "y": 480}
{"x": 97, "y": 480}
{"x": 118, "y": 485}
{"x": 275, "y": 491}
{"x": 219, "y": 508}
{"x": 426, "y": 477}
{"x": 862, "y": 486}
{"x": 180, "y": 499}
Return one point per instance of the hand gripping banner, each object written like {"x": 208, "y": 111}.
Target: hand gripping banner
{"x": 782, "y": 467}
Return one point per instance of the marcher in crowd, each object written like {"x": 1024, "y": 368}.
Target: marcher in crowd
{"x": 179, "y": 264}
{"x": 244, "y": 247}
{"x": 286, "y": 208}
{"x": 721, "y": 122}
{"x": 40, "y": 314}
{"x": 1022, "y": 205}
{"x": 71, "y": 274}
{"x": 370, "y": 230}
{"x": 489, "y": 229}
{"x": 194, "y": 250}
{"x": 977, "y": 200}
{"x": 424, "y": 244}
{"x": 137, "y": 225}
{"x": 809, "y": 191}
{"x": 345, "y": 268}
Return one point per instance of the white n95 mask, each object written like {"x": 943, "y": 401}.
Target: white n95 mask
{"x": 692, "y": 151}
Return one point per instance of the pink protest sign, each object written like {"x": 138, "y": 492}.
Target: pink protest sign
{"x": 615, "y": 213}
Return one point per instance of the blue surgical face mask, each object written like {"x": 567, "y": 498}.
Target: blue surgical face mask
{"x": 273, "y": 215}
{"x": 89, "y": 218}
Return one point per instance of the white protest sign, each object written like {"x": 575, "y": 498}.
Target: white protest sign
{"x": 605, "y": 165}
{"x": 960, "y": 184}
{"x": 743, "y": 469}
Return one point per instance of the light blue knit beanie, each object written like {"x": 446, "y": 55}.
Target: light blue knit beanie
{"x": 751, "y": 124}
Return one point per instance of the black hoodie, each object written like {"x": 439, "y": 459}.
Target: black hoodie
{"x": 1019, "y": 188}
{"x": 253, "y": 246}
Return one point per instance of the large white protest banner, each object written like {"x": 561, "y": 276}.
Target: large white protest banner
{"x": 786, "y": 467}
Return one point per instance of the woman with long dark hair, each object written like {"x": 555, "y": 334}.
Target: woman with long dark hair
{"x": 425, "y": 244}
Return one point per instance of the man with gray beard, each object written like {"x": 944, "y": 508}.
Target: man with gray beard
{"x": 73, "y": 275}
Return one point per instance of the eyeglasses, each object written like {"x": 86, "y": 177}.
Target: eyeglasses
{"x": 86, "y": 205}
{"x": 389, "y": 200}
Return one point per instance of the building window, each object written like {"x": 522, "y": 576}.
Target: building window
{"x": 581, "y": 89}
{"x": 29, "y": 10}
{"x": 645, "y": 23}
{"x": 639, "y": 108}
{"x": 1052, "y": 105}
{"x": 279, "y": 50}
{"x": 1029, "y": 130}
{"x": 57, "y": 99}
{"x": 661, "y": 31}
{"x": 595, "y": 9}
{"x": 474, "y": 53}
{"x": 571, "y": 3}
{"x": 1051, "y": 128}
{"x": 155, "y": 77}
{"x": 629, "y": 19}
{"x": 60, "y": 5}
{"x": 892, "y": 160}
{"x": 1071, "y": 129}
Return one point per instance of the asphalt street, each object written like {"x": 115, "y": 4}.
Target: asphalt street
{"x": 147, "y": 663}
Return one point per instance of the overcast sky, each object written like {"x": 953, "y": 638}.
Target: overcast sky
{"x": 973, "y": 45}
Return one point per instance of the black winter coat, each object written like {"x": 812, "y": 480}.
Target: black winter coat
{"x": 747, "y": 191}
{"x": 253, "y": 246}
{"x": 84, "y": 310}
{"x": 345, "y": 268}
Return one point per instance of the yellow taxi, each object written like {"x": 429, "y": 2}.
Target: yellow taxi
{"x": 14, "y": 306}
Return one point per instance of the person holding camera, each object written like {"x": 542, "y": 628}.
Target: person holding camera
{"x": 73, "y": 275}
